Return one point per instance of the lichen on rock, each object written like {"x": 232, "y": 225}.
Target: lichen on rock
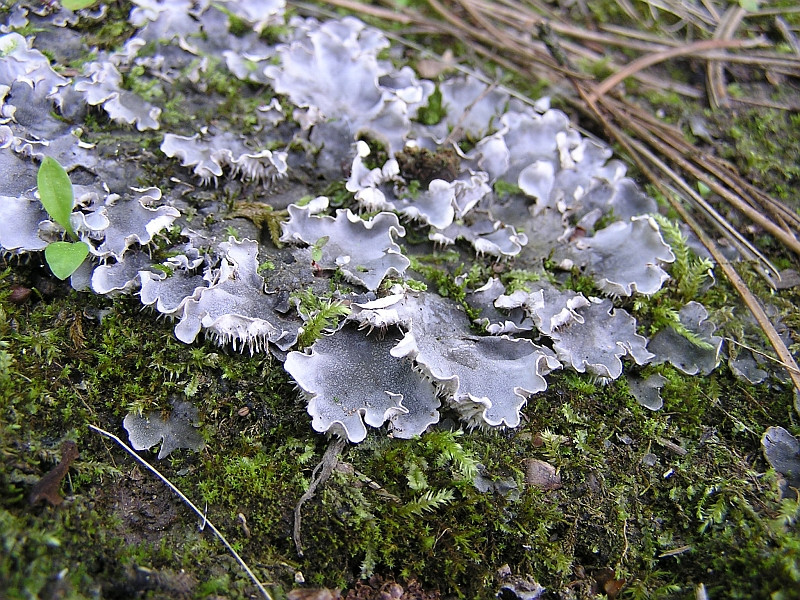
{"x": 132, "y": 221}
{"x": 598, "y": 344}
{"x": 101, "y": 85}
{"x": 179, "y": 430}
{"x": 352, "y": 379}
{"x": 19, "y": 230}
{"x": 234, "y": 308}
{"x": 345, "y": 106}
{"x": 691, "y": 357}
{"x": 438, "y": 338}
{"x": 363, "y": 251}
{"x": 210, "y": 153}
{"x": 624, "y": 257}
{"x": 334, "y": 68}
{"x": 647, "y": 390}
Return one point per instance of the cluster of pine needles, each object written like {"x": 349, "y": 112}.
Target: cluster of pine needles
{"x": 540, "y": 40}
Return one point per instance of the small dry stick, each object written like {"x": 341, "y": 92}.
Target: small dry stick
{"x": 189, "y": 503}
{"x": 715, "y": 80}
{"x": 764, "y": 354}
{"x": 319, "y": 475}
{"x": 47, "y": 487}
{"x": 457, "y": 131}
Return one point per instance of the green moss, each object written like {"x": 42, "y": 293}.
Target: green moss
{"x": 223, "y": 82}
{"x": 149, "y": 89}
{"x": 433, "y": 112}
{"x": 613, "y": 511}
{"x": 249, "y": 480}
{"x": 274, "y": 34}
{"x": 600, "y": 69}
{"x": 38, "y": 548}
{"x": 709, "y": 512}
{"x": 688, "y": 276}
{"x": 236, "y": 25}
{"x": 453, "y": 282}
{"x": 378, "y": 151}
{"x": 110, "y": 32}
{"x": 763, "y": 145}
{"x": 578, "y": 282}
{"x": 60, "y": 369}
{"x": 338, "y": 195}
{"x": 503, "y": 189}
{"x": 609, "y": 12}
{"x": 320, "y": 314}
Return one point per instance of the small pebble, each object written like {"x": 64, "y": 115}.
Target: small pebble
{"x": 19, "y": 294}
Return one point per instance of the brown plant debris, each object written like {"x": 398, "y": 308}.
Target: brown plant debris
{"x": 378, "y": 588}
{"x": 47, "y": 487}
{"x": 313, "y": 594}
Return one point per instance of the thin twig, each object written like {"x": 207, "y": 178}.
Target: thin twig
{"x": 739, "y": 241}
{"x": 790, "y": 64}
{"x": 188, "y": 502}
{"x": 456, "y": 132}
{"x": 499, "y": 35}
{"x": 687, "y": 12}
{"x": 524, "y": 21}
{"x": 477, "y": 34}
{"x": 635, "y": 34}
{"x": 712, "y": 10}
{"x": 319, "y": 476}
{"x": 764, "y": 354}
{"x": 670, "y": 144}
{"x": 767, "y": 104}
{"x": 719, "y": 176}
{"x": 634, "y": 16}
{"x": 768, "y": 12}
{"x": 787, "y": 34}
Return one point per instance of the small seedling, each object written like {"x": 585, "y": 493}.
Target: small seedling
{"x": 316, "y": 249}
{"x": 55, "y": 194}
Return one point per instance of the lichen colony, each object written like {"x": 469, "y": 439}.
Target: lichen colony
{"x": 334, "y": 104}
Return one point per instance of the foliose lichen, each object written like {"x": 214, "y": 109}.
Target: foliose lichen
{"x": 422, "y": 187}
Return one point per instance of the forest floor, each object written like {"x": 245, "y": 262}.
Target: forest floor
{"x": 674, "y": 503}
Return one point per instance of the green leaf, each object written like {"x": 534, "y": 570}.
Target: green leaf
{"x": 55, "y": 192}
{"x": 77, "y": 4}
{"x": 750, "y": 5}
{"x": 316, "y": 249}
{"x": 64, "y": 258}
